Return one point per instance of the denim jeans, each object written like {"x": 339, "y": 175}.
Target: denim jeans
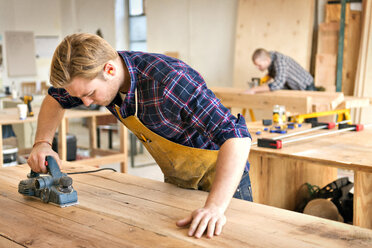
{"x": 244, "y": 190}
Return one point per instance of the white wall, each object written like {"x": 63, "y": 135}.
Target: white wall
{"x": 55, "y": 18}
{"x": 89, "y": 16}
{"x": 40, "y": 16}
{"x": 202, "y": 31}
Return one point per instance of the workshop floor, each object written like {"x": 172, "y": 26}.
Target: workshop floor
{"x": 144, "y": 165}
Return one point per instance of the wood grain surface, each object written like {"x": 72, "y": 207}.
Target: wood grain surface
{"x": 120, "y": 210}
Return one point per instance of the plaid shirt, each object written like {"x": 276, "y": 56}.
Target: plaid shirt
{"x": 173, "y": 101}
{"x": 287, "y": 73}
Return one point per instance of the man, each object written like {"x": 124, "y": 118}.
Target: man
{"x": 169, "y": 108}
{"x": 285, "y": 72}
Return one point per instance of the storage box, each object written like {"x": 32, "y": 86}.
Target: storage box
{"x": 71, "y": 146}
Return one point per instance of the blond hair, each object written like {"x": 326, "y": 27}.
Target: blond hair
{"x": 80, "y": 55}
{"x": 260, "y": 53}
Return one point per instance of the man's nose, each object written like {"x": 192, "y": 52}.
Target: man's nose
{"x": 87, "y": 101}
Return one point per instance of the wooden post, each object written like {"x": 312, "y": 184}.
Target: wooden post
{"x": 92, "y": 124}
{"x": 1, "y": 146}
{"x": 62, "y": 142}
{"x": 362, "y": 206}
{"x": 123, "y": 136}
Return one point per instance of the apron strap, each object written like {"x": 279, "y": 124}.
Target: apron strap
{"x": 136, "y": 100}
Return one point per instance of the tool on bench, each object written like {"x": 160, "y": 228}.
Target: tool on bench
{"x": 277, "y": 143}
{"x": 56, "y": 187}
{"x": 27, "y": 100}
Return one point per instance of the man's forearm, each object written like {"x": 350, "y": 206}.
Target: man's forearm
{"x": 49, "y": 118}
{"x": 231, "y": 160}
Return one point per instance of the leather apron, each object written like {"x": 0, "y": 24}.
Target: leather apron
{"x": 184, "y": 166}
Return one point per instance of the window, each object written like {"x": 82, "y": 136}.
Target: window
{"x": 137, "y": 26}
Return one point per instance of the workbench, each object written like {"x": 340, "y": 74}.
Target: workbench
{"x": 277, "y": 174}
{"x": 295, "y": 101}
{"x": 120, "y": 210}
{"x": 99, "y": 156}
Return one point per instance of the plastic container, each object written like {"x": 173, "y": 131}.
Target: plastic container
{"x": 10, "y": 154}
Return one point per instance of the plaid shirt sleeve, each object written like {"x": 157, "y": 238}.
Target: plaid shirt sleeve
{"x": 281, "y": 71}
{"x": 188, "y": 97}
{"x": 63, "y": 98}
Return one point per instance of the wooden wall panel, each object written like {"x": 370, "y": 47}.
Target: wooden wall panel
{"x": 285, "y": 26}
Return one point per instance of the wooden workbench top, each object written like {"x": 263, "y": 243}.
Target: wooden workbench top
{"x": 348, "y": 150}
{"x": 120, "y": 210}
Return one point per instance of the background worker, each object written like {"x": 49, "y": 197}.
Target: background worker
{"x": 284, "y": 71}
{"x": 168, "y": 106}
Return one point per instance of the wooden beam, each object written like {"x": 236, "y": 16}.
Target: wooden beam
{"x": 233, "y": 97}
{"x": 363, "y": 186}
{"x": 123, "y": 135}
{"x": 62, "y": 142}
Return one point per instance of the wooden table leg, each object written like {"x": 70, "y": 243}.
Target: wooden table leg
{"x": 92, "y": 124}
{"x": 362, "y": 199}
{"x": 62, "y": 142}
{"x": 1, "y": 146}
{"x": 123, "y": 136}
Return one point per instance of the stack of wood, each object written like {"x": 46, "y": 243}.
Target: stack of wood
{"x": 326, "y": 57}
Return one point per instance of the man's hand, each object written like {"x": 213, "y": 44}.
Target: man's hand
{"x": 210, "y": 219}
{"x": 249, "y": 92}
{"x": 36, "y": 160}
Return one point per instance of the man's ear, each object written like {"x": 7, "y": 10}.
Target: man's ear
{"x": 110, "y": 69}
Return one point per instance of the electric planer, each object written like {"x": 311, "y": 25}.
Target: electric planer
{"x": 55, "y": 187}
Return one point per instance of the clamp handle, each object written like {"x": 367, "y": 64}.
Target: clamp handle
{"x": 269, "y": 143}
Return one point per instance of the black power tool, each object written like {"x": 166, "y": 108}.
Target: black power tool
{"x": 55, "y": 187}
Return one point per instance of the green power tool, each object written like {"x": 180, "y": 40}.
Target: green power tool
{"x": 55, "y": 187}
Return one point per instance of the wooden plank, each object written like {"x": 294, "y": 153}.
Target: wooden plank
{"x": 234, "y": 97}
{"x": 328, "y": 38}
{"x": 296, "y": 102}
{"x": 325, "y": 71}
{"x": 97, "y": 221}
{"x": 321, "y": 101}
{"x": 257, "y": 30}
{"x": 333, "y": 13}
{"x": 134, "y": 201}
{"x": 351, "y": 52}
{"x": 354, "y": 102}
{"x": 4, "y": 242}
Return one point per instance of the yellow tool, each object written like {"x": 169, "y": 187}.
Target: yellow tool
{"x": 264, "y": 79}
{"x": 27, "y": 100}
{"x": 343, "y": 114}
